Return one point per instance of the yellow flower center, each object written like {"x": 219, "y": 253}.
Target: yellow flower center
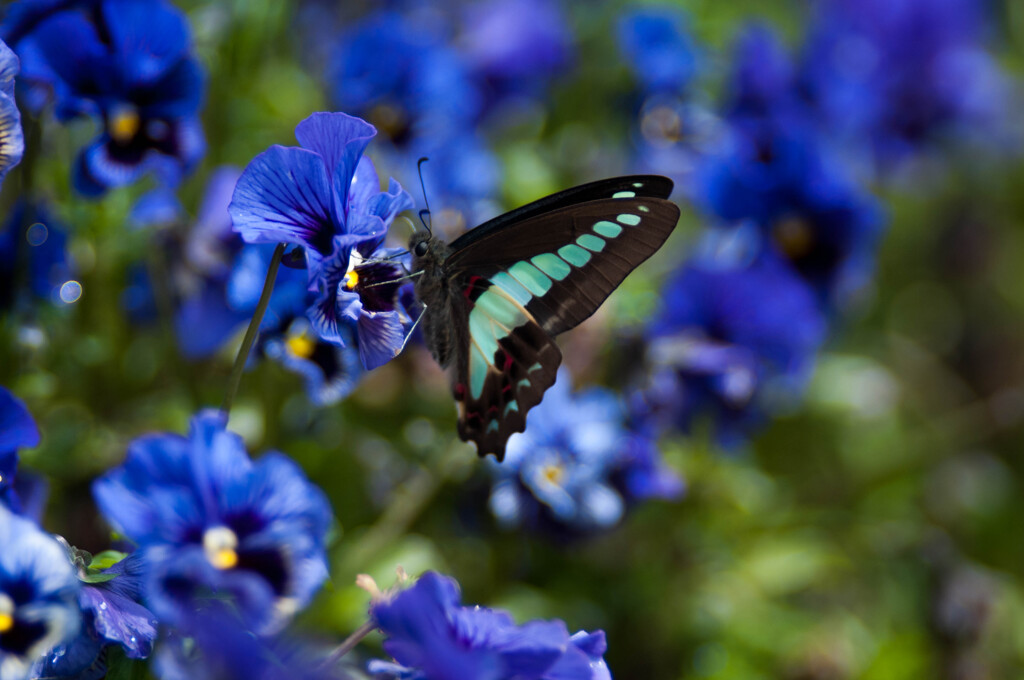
{"x": 124, "y": 124}
{"x": 794, "y": 237}
{"x": 219, "y": 544}
{"x": 351, "y": 279}
{"x": 301, "y": 345}
{"x": 554, "y": 474}
{"x": 6, "y": 613}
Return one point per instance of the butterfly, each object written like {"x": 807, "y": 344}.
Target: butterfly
{"x": 496, "y": 296}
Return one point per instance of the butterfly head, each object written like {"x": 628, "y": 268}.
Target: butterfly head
{"x": 428, "y": 251}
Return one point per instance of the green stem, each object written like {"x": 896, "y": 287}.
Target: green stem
{"x": 349, "y": 643}
{"x": 253, "y": 330}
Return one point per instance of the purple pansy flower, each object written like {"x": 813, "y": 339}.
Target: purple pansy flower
{"x": 110, "y": 602}
{"x": 431, "y": 637}
{"x": 210, "y": 522}
{"x": 38, "y": 590}
{"x": 12, "y": 141}
{"x": 127, "y": 63}
{"x": 567, "y": 466}
{"x": 326, "y": 198}
{"x": 22, "y": 493}
{"x": 734, "y": 342}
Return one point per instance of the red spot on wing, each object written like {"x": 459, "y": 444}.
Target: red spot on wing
{"x": 469, "y": 288}
{"x": 493, "y": 409}
{"x": 508, "y": 362}
{"x": 460, "y": 391}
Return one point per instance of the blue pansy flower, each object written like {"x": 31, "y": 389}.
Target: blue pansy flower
{"x": 38, "y": 590}
{"x": 902, "y": 75}
{"x": 112, "y": 615}
{"x": 431, "y": 637}
{"x": 400, "y": 71}
{"x": 127, "y": 63}
{"x": 776, "y": 170}
{"x": 565, "y": 466}
{"x": 21, "y": 493}
{"x": 733, "y": 343}
{"x": 658, "y": 48}
{"x": 218, "y": 648}
{"x": 34, "y": 260}
{"x": 211, "y": 523}
{"x": 515, "y": 47}
{"x": 329, "y": 372}
{"x": 326, "y": 198}
{"x": 12, "y": 142}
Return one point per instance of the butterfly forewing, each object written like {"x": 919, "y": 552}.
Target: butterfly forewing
{"x": 630, "y": 186}
{"x": 563, "y": 264}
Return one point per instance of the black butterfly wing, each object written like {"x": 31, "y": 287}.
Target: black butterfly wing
{"x": 503, "y": 368}
{"x": 563, "y": 264}
{"x": 527, "y": 281}
{"x": 629, "y": 186}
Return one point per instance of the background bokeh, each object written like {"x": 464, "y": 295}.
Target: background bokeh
{"x": 868, "y": 529}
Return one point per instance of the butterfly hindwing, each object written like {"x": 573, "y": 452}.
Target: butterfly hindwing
{"x": 510, "y": 361}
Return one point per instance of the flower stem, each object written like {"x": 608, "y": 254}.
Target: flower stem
{"x": 349, "y": 643}
{"x": 253, "y": 330}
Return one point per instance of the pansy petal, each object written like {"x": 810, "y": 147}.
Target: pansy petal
{"x": 380, "y": 337}
{"x": 148, "y": 37}
{"x": 203, "y": 322}
{"x": 17, "y": 428}
{"x": 284, "y": 195}
{"x": 340, "y": 140}
{"x": 97, "y": 168}
{"x": 178, "y": 93}
{"x": 71, "y": 48}
{"x": 387, "y": 205}
{"x": 9, "y": 67}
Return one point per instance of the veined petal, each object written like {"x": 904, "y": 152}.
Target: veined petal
{"x": 340, "y": 139}
{"x": 9, "y": 67}
{"x": 387, "y": 205}
{"x": 284, "y": 195}
{"x": 148, "y": 37}
{"x": 380, "y": 337}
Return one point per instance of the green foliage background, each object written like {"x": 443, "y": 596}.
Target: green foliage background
{"x": 823, "y": 552}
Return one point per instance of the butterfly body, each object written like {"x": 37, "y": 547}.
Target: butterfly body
{"x": 496, "y": 296}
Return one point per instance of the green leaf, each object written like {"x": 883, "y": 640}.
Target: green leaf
{"x": 106, "y": 559}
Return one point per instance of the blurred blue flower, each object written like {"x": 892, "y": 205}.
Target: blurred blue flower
{"x": 904, "y": 74}
{"x": 21, "y": 493}
{"x": 127, "y": 63}
{"x": 218, "y": 648}
{"x": 565, "y": 465}
{"x": 400, "y": 71}
{"x": 432, "y": 637}
{"x": 326, "y": 198}
{"x": 658, "y": 48}
{"x": 211, "y": 523}
{"x": 733, "y": 344}
{"x": 112, "y": 615}
{"x": 329, "y": 372}
{"x": 12, "y": 142}
{"x": 33, "y": 256}
{"x": 776, "y": 169}
{"x": 38, "y": 590}
{"x": 515, "y": 47}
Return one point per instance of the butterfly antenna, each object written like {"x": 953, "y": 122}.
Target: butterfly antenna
{"x": 412, "y": 329}
{"x": 400, "y": 278}
{"x": 429, "y": 222}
